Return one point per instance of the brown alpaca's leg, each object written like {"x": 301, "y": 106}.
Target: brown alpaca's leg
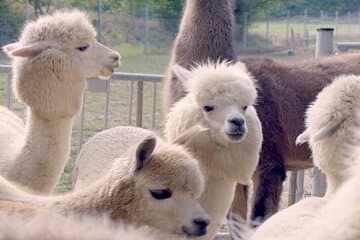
{"x": 267, "y": 191}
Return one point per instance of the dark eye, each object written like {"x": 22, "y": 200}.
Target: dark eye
{"x": 161, "y": 194}
{"x": 82, "y": 48}
{"x": 208, "y": 108}
{"x": 244, "y": 108}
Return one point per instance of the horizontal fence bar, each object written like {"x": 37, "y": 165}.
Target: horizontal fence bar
{"x": 123, "y": 76}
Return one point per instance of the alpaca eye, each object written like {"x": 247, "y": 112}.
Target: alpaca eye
{"x": 161, "y": 194}
{"x": 208, "y": 108}
{"x": 82, "y": 48}
{"x": 244, "y": 108}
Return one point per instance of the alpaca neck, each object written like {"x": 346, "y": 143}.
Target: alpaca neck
{"x": 103, "y": 197}
{"x": 44, "y": 153}
{"x": 333, "y": 183}
{"x": 205, "y": 24}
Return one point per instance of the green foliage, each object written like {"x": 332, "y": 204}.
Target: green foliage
{"x": 9, "y": 23}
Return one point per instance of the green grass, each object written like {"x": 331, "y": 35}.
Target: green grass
{"x": 278, "y": 28}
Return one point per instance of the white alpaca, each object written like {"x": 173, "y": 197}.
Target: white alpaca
{"x": 155, "y": 184}
{"x": 52, "y": 226}
{"x": 51, "y": 61}
{"x": 220, "y": 98}
{"x": 330, "y": 120}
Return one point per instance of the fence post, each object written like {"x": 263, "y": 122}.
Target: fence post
{"x": 147, "y": 10}
{"x": 299, "y": 185}
{"x": 321, "y": 17}
{"x": 336, "y": 23}
{"x": 27, "y": 13}
{"x": 287, "y": 28}
{"x": 99, "y": 20}
{"x": 245, "y": 33}
{"x": 324, "y": 42}
{"x": 305, "y": 21}
{"x": 139, "y": 103}
{"x": 267, "y": 31}
{"x": 292, "y": 188}
{"x": 324, "y": 47}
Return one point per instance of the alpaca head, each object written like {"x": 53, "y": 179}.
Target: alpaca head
{"x": 166, "y": 183}
{"x": 330, "y": 120}
{"x": 223, "y": 92}
{"x": 52, "y": 59}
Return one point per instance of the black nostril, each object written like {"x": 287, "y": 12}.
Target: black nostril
{"x": 200, "y": 222}
{"x": 115, "y": 57}
{"x": 237, "y": 121}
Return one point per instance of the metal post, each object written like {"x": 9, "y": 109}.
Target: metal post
{"x": 321, "y": 17}
{"x": 319, "y": 185}
{"x": 99, "y": 20}
{"x": 324, "y": 42}
{"x": 147, "y": 10}
{"x": 130, "y": 102}
{"x": 139, "y": 103}
{"x": 299, "y": 185}
{"x": 107, "y": 101}
{"x": 324, "y": 47}
{"x": 336, "y": 23}
{"x": 287, "y": 28}
{"x": 27, "y": 13}
{"x": 267, "y": 31}
{"x": 154, "y": 105}
{"x": 305, "y": 21}
{"x": 245, "y": 33}
{"x": 292, "y": 188}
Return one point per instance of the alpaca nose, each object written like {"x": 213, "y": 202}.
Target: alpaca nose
{"x": 201, "y": 223}
{"x": 115, "y": 57}
{"x": 239, "y": 122}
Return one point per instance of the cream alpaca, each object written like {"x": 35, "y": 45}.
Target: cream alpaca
{"x": 155, "y": 185}
{"x": 51, "y": 61}
{"x": 52, "y": 226}
{"x": 328, "y": 121}
{"x": 220, "y": 98}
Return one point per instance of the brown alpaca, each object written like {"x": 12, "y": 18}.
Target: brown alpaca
{"x": 206, "y": 33}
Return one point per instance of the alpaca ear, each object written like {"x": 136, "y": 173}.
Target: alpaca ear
{"x": 303, "y": 138}
{"x": 181, "y": 73}
{"x": 144, "y": 151}
{"x": 329, "y": 129}
{"x": 30, "y": 50}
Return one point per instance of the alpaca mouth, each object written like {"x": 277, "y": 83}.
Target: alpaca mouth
{"x": 201, "y": 231}
{"x": 235, "y": 135}
{"x": 106, "y": 73}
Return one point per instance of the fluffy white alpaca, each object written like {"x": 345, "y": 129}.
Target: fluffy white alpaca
{"x": 336, "y": 218}
{"x": 51, "y": 61}
{"x": 155, "y": 184}
{"x": 220, "y": 98}
{"x": 330, "y": 121}
{"x": 52, "y": 226}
